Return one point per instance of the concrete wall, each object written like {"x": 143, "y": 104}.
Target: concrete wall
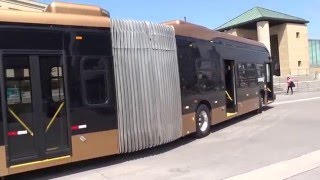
{"x": 291, "y": 48}
{"x": 298, "y": 48}
{"x": 249, "y": 34}
{"x": 281, "y": 31}
{"x": 22, "y": 5}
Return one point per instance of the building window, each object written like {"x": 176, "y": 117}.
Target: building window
{"x": 299, "y": 63}
{"x": 297, "y": 34}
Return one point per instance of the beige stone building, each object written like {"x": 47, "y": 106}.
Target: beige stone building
{"x": 22, "y": 5}
{"x": 285, "y": 36}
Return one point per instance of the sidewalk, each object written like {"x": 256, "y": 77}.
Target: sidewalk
{"x": 301, "y": 86}
{"x": 313, "y": 174}
{"x": 303, "y": 167}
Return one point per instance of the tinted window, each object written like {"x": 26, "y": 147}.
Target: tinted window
{"x": 94, "y": 64}
{"x": 242, "y": 78}
{"x": 205, "y": 74}
{"x": 187, "y": 67}
{"x": 260, "y": 72}
{"x": 74, "y": 82}
{"x": 30, "y": 39}
{"x": 18, "y": 86}
{"x": 57, "y": 84}
{"x": 89, "y": 43}
{"x": 95, "y": 85}
{"x": 251, "y": 73}
{"x": 94, "y": 74}
{"x": 208, "y": 66}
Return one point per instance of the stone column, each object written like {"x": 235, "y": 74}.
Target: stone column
{"x": 264, "y": 34}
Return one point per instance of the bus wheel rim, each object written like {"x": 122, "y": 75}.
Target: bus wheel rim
{"x": 203, "y": 121}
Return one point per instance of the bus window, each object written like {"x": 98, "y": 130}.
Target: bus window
{"x": 205, "y": 75}
{"x": 242, "y": 79}
{"x": 95, "y": 80}
{"x": 57, "y": 84}
{"x": 18, "y": 86}
{"x": 260, "y": 72}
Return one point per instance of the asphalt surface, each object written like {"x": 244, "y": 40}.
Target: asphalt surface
{"x": 285, "y": 130}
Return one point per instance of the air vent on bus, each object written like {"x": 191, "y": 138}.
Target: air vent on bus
{"x": 69, "y": 8}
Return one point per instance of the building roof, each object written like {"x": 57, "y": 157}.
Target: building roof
{"x": 260, "y": 14}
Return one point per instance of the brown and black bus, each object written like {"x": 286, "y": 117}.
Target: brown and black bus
{"x": 221, "y": 76}
{"x": 77, "y": 85}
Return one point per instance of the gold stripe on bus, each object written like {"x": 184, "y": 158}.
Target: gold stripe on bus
{"x": 54, "y": 117}
{"x": 20, "y": 121}
{"x": 38, "y": 162}
{"x": 231, "y": 114}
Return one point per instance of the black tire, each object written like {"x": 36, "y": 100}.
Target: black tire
{"x": 203, "y": 121}
{"x": 259, "y": 110}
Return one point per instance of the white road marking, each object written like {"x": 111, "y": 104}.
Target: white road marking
{"x": 294, "y": 101}
{"x": 284, "y": 169}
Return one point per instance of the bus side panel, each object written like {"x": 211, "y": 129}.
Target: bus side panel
{"x": 3, "y": 156}
{"x": 95, "y": 145}
{"x": 188, "y": 83}
{"x": 201, "y": 80}
{"x": 246, "y": 60}
{"x": 92, "y": 93}
{"x": 3, "y": 162}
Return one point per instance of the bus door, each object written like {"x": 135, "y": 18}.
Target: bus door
{"x": 230, "y": 87}
{"x": 34, "y": 107}
{"x": 269, "y": 82}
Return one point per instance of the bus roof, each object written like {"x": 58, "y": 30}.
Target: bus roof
{"x": 187, "y": 29}
{"x": 59, "y": 13}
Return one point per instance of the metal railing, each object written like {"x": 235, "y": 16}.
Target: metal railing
{"x": 280, "y": 86}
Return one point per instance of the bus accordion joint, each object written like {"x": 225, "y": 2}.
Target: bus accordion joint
{"x": 20, "y": 121}
{"x": 54, "y": 117}
{"x": 229, "y": 97}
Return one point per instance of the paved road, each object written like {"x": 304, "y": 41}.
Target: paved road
{"x": 286, "y": 130}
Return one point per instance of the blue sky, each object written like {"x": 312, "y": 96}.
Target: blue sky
{"x": 209, "y": 13}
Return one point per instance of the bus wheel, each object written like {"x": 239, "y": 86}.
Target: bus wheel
{"x": 203, "y": 121}
{"x": 259, "y": 110}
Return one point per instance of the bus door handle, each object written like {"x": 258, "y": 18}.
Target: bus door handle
{"x": 20, "y": 121}
{"x": 54, "y": 117}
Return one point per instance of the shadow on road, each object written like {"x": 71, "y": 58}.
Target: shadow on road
{"x": 68, "y": 169}
{"x": 77, "y": 167}
{"x": 236, "y": 120}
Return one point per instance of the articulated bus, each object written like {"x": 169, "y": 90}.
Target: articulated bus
{"x": 77, "y": 85}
